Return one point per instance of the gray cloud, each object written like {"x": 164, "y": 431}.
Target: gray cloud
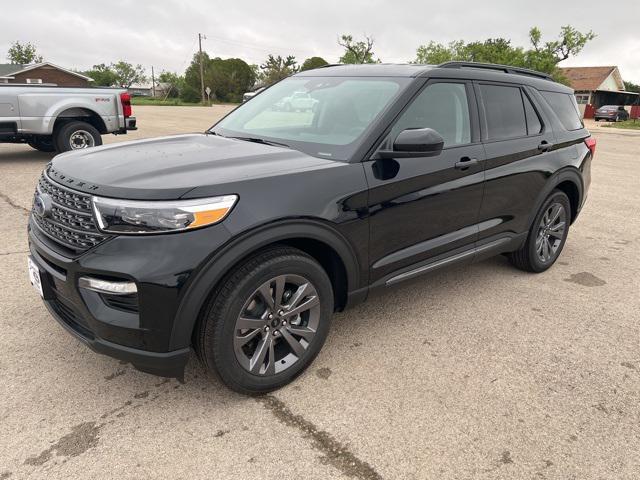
{"x": 78, "y": 34}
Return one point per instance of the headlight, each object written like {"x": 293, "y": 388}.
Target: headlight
{"x": 131, "y": 216}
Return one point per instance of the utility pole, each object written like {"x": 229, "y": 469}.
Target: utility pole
{"x": 153, "y": 82}
{"x": 200, "y": 37}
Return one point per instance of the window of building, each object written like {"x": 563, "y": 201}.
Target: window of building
{"x": 582, "y": 99}
{"x": 34, "y": 80}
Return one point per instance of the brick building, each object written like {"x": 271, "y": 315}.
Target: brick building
{"x": 42, "y": 73}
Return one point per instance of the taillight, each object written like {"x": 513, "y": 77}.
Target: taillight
{"x": 125, "y": 98}
{"x": 591, "y": 145}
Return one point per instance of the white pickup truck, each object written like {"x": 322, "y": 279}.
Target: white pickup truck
{"x": 58, "y": 119}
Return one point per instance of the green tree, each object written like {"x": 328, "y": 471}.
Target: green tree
{"x": 23, "y": 53}
{"x": 127, "y": 74}
{"x": 360, "y": 51}
{"x": 228, "y": 78}
{"x": 174, "y": 81}
{"x": 313, "y": 62}
{"x": 275, "y": 69}
{"x": 541, "y": 56}
{"x": 103, "y": 75}
{"x": 631, "y": 87}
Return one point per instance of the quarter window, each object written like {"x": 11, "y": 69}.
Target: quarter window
{"x": 442, "y": 107}
{"x": 565, "y": 107}
{"x": 504, "y": 112}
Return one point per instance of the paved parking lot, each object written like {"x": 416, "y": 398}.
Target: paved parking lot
{"x": 473, "y": 373}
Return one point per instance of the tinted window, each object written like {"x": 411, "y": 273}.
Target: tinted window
{"x": 322, "y": 116}
{"x": 564, "y": 106}
{"x": 534, "y": 126}
{"x": 442, "y": 107}
{"x": 504, "y": 112}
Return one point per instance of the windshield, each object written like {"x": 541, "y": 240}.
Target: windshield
{"x": 321, "y": 116}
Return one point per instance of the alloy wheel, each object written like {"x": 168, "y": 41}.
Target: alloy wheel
{"x": 276, "y": 325}
{"x": 551, "y": 232}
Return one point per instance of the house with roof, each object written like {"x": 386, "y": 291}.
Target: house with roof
{"x": 44, "y": 72}
{"x": 598, "y": 86}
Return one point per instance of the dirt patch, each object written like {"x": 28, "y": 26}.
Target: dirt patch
{"x": 82, "y": 438}
{"x": 324, "y": 373}
{"x": 586, "y": 279}
{"x": 335, "y": 453}
{"x": 505, "y": 458}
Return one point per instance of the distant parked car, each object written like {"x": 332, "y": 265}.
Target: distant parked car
{"x": 301, "y": 101}
{"x": 249, "y": 95}
{"x": 611, "y": 113}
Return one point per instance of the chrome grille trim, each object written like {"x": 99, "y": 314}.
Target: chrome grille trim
{"x": 70, "y": 223}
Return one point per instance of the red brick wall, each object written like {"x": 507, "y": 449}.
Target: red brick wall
{"x": 51, "y": 75}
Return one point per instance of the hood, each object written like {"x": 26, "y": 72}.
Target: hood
{"x": 169, "y": 167}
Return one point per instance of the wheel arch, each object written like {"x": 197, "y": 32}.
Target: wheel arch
{"x": 81, "y": 114}
{"x": 315, "y": 238}
{"x": 569, "y": 181}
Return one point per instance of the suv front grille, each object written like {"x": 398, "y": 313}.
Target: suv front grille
{"x": 69, "y": 221}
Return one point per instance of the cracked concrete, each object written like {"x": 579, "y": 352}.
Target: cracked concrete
{"x": 482, "y": 372}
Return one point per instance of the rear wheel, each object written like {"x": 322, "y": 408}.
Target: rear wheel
{"x": 43, "y": 143}
{"x": 267, "y": 321}
{"x": 76, "y": 136}
{"x": 547, "y": 235}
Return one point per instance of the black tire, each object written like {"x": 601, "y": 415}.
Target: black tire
{"x": 597, "y": 119}
{"x": 43, "y": 143}
{"x": 66, "y": 136}
{"x": 215, "y": 336}
{"x": 528, "y": 258}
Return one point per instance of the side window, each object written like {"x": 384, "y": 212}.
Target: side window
{"x": 534, "y": 126}
{"x": 442, "y": 107}
{"x": 504, "y": 112}
{"x": 565, "y": 107}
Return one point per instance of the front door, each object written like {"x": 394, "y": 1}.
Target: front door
{"x": 423, "y": 208}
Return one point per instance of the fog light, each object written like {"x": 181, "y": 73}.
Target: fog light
{"x": 106, "y": 286}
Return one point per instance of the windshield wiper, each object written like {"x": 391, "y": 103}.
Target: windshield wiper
{"x": 262, "y": 140}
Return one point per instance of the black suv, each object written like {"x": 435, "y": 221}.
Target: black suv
{"x": 242, "y": 241}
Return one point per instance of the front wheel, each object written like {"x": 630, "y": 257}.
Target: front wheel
{"x": 547, "y": 235}
{"x": 267, "y": 321}
{"x": 76, "y": 136}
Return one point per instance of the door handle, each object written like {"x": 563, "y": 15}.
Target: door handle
{"x": 465, "y": 163}
{"x": 545, "y": 146}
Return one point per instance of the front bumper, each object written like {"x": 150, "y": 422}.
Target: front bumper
{"x": 143, "y": 329}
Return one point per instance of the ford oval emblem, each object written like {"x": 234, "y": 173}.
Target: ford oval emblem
{"x": 42, "y": 204}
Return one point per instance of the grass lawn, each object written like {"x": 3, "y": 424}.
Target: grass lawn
{"x": 631, "y": 124}
{"x": 170, "y": 102}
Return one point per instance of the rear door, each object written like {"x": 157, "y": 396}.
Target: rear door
{"x": 519, "y": 145}
{"x": 423, "y": 208}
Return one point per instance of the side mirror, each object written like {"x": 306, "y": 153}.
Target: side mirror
{"x": 415, "y": 142}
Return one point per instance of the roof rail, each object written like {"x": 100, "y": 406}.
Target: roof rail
{"x": 501, "y": 68}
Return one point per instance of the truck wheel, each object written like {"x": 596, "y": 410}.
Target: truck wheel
{"x": 77, "y": 136}
{"x": 267, "y": 321}
{"x": 43, "y": 143}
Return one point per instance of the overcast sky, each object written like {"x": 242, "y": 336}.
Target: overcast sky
{"x": 80, "y": 33}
